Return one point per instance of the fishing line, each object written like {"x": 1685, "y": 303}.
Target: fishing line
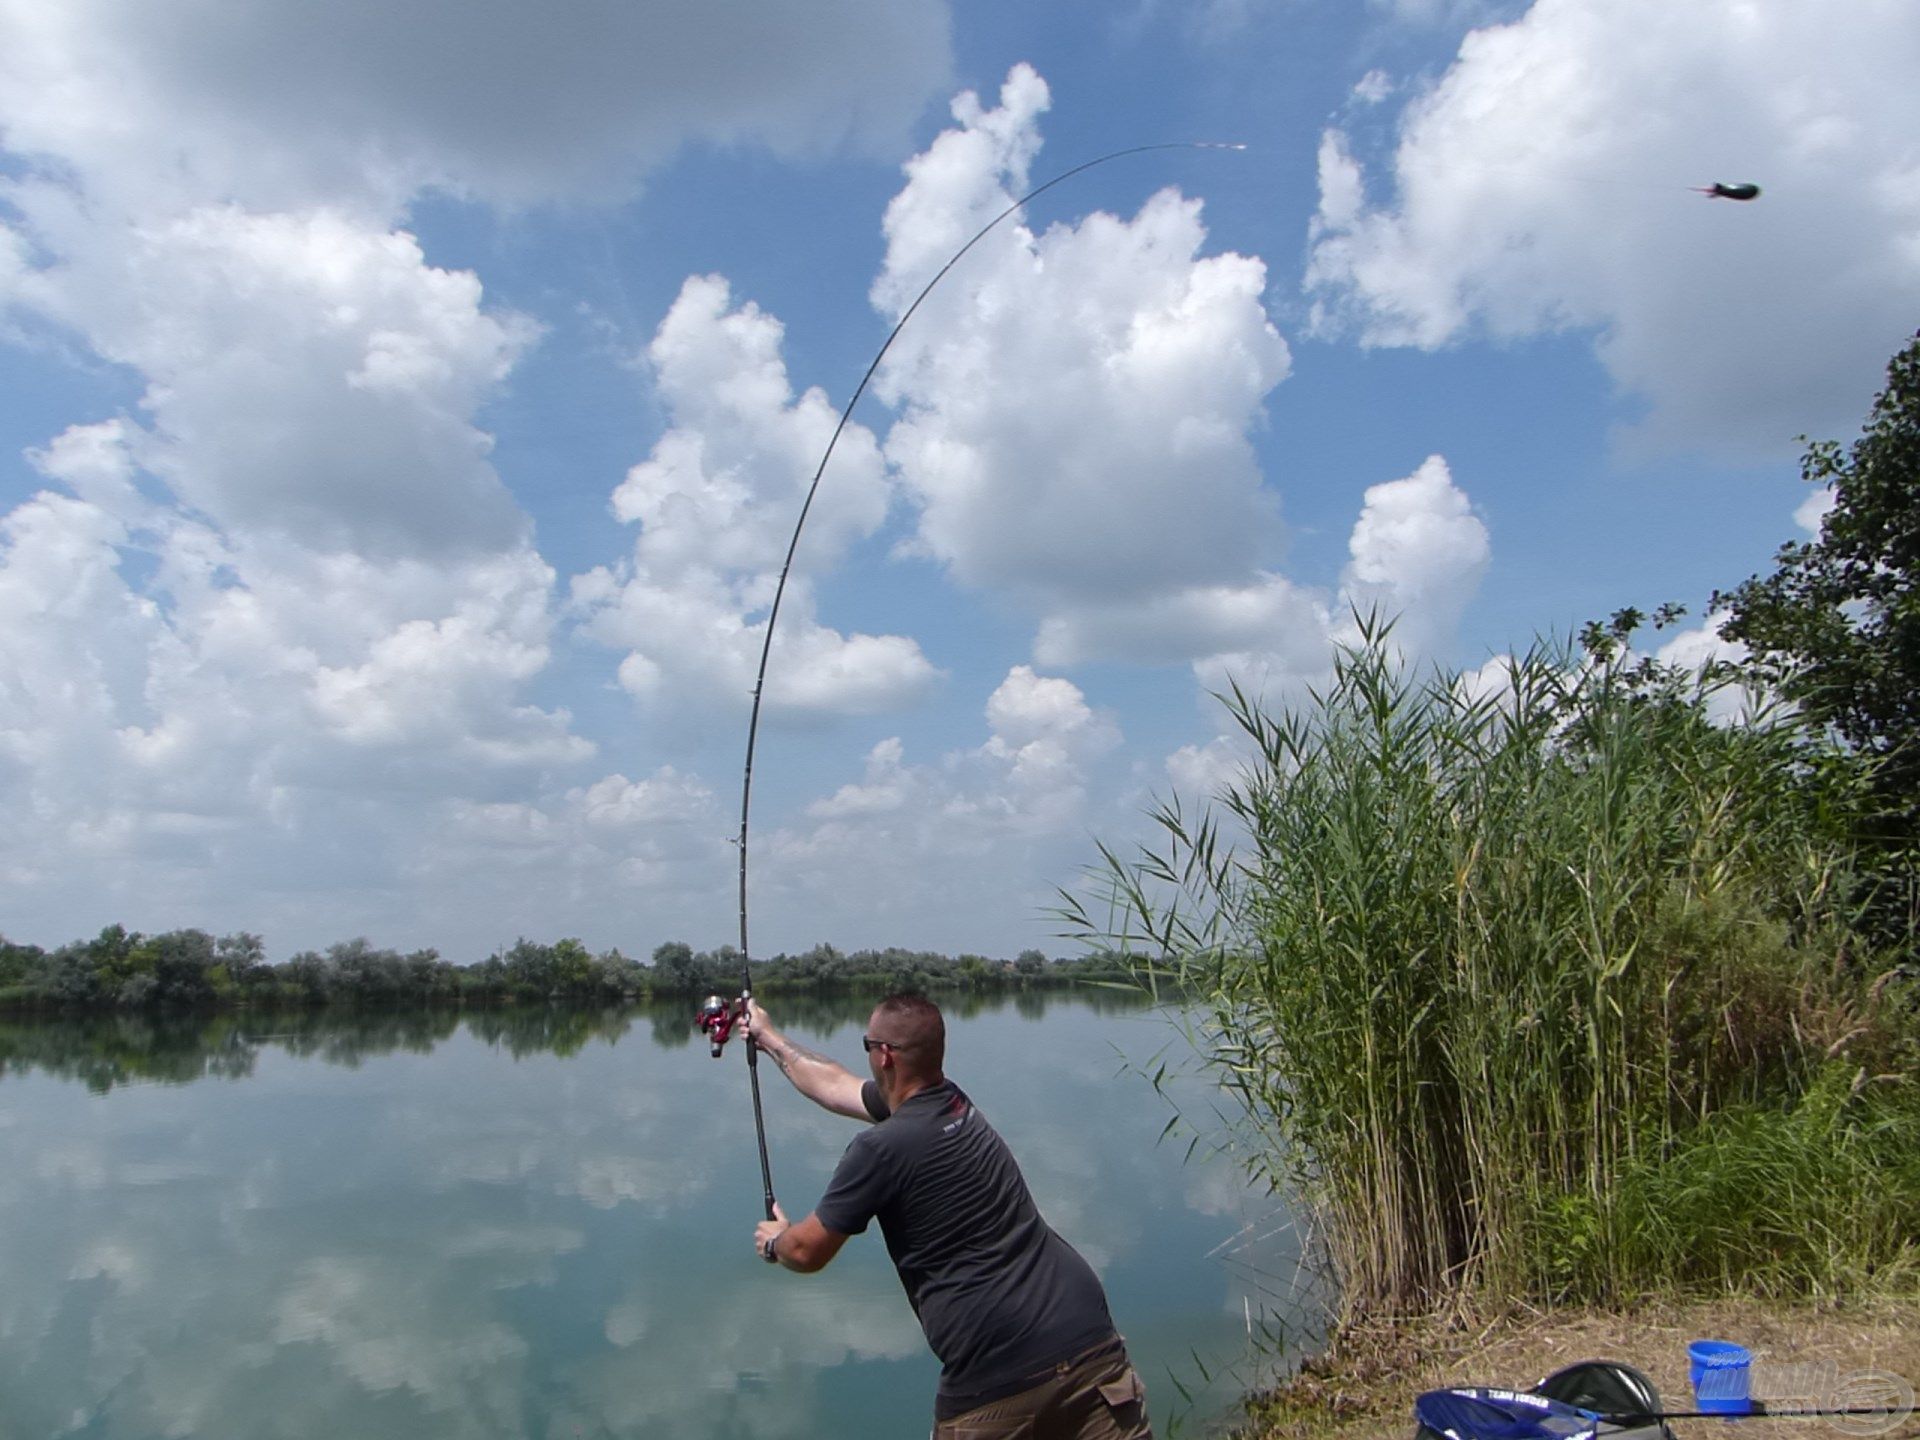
{"x": 793, "y": 544}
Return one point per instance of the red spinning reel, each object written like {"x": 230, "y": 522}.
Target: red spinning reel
{"x": 717, "y": 1017}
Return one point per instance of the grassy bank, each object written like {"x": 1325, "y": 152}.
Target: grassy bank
{"x": 1364, "y": 1389}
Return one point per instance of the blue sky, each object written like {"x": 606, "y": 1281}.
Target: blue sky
{"x": 403, "y": 411}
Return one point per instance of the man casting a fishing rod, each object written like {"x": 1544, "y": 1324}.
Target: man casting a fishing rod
{"x": 1027, "y": 1347}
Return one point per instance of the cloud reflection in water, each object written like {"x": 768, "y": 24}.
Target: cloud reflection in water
{"x": 493, "y": 1240}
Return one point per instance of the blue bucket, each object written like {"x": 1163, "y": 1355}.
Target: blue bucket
{"x": 1721, "y": 1374}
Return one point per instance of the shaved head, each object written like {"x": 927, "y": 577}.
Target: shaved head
{"x": 913, "y": 1026}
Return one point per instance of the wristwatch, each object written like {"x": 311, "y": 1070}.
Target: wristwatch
{"x": 768, "y": 1251}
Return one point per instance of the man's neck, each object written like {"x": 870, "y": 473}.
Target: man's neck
{"x": 906, "y": 1089}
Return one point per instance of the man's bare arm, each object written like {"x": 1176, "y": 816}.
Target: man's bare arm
{"x": 827, "y": 1083}
{"x": 806, "y": 1247}
{"x": 803, "y": 1248}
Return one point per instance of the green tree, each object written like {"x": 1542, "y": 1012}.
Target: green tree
{"x": 1836, "y": 626}
{"x": 242, "y": 953}
{"x": 308, "y": 977}
{"x": 427, "y": 977}
{"x": 18, "y": 963}
{"x": 365, "y": 974}
{"x": 533, "y": 969}
{"x": 179, "y": 962}
{"x": 572, "y": 967}
{"x": 673, "y": 967}
{"x": 118, "y": 964}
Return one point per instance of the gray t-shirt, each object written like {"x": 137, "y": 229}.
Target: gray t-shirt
{"x": 1001, "y": 1297}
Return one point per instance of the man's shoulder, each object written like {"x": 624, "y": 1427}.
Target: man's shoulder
{"x": 920, "y": 1115}
{"x": 867, "y": 1152}
{"x": 936, "y": 1102}
{"x": 934, "y": 1118}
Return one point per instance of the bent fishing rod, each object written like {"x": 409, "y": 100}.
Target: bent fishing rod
{"x": 1504, "y": 1407}
{"x": 717, "y": 1017}
{"x": 1760, "y": 1411}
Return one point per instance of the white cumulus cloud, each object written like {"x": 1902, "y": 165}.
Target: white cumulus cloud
{"x": 264, "y": 633}
{"x": 1076, "y": 403}
{"x": 975, "y": 831}
{"x": 306, "y": 375}
{"x": 280, "y": 104}
{"x": 1418, "y": 552}
{"x": 715, "y": 504}
{"x": 1541, "y": 185}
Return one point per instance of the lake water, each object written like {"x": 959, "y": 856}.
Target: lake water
{"x": 539, "y": 1224}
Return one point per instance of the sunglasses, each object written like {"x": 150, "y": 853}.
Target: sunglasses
{"x": 869, "y": 1044}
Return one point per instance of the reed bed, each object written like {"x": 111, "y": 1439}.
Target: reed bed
{"x": 1544, "y": 988}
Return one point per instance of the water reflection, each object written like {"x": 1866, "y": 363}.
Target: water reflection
{"x": 534, "y": 1222}
{"x": 102, "y": 1051}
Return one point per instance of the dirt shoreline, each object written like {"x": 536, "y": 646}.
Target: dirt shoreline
{"x": 1363, "y": 1387}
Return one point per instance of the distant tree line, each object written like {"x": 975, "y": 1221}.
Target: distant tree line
{"x": 122, "y": 969}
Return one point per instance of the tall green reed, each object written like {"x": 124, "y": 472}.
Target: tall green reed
{"x": 1474, "y": 960}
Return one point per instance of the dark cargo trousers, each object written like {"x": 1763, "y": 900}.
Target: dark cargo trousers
{"x": 1096, "y": 1396}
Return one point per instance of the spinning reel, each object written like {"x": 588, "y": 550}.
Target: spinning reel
{"x": 717, "y": 1017}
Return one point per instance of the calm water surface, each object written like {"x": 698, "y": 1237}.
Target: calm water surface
{"x": 539, "y": 1224}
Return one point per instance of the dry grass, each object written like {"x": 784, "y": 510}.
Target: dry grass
{"x": 1364, "y": 1388}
